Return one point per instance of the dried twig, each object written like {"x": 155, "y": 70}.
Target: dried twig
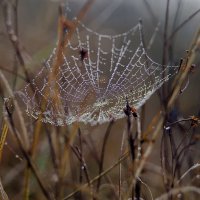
{"x": 18, "y": 111}
{"x": 8, "y": 9}
{"x": 165, "y": 51}
{"x": 183, "y": 24}
{"x": 103, "y": 153}
{"x": 125, "y": 156}
{"x": 3, "y": 138}
{"x": 179, "y": 190}
{"x": 15, "y": 16}
{"x": 23, "y": 143}
{"x": 13, "y": 73}
{"x": 170, "y": 103}
{"x": 81, "y": 159}
{"x": 149, "y": 190}
{"x": 153, "y": 37}
{"x": 63, "y": 39}
{"x": 120, "y": 164}
{"x": 197, "y": 165}
{"x": 47, "y": 194}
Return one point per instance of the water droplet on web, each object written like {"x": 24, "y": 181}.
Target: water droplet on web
{"x": 94, "y": 88}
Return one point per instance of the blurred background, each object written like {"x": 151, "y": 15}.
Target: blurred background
{"x": 37, "y": 32}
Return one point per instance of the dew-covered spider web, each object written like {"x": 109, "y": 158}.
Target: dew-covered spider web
{"x": 98, "y": 73}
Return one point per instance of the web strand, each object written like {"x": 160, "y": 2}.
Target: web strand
{"x": 93, "y": 89}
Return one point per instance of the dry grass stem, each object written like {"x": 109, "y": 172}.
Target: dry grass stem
{"x": 3, "y": 194}
{"x": 176, "y": 191}
{"x": 3, "y": 138}
{"x": 197, "y": 165}
{"x": 24, "y": 133}
{"x": 95, "y": 77}
{"x": 170, "y": 103}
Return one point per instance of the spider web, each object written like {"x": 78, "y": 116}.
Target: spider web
{"x": 94, "y": 89}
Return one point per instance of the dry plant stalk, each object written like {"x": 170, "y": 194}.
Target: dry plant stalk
{"x": 103, "y": 153}
{"x": 175, "y": 92}
{"x": 12, "y": 33}
{"x": 24, "y": 133}
{"x": 21, "y": 141}
{"x": 82, "y": 187}
{"x": 197, "y": 165}
{"x": 3, "y": 195}
{"x": 157, "y": 121}
{"x": 3, "y": 138}
{"x": 63, "y": 39}
{"x": 175, "y": 191}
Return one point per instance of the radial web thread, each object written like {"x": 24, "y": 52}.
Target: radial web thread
{"x": 94, "y": 89}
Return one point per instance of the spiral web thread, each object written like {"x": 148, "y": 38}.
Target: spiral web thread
{"x": 94, "y": 89}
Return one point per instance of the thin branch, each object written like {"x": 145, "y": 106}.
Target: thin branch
{"x": 197, "y": 165}
{"x": 179, "y": 190}
{"x": 81, "y": 163}
{"x": 3, "y": 138}
{"x": 153, "y": 37}
{"x": 23, "y": 144}
{"x": 151, "y": 12}
{"x": 178, "y": 9}
{"x": 183, "y": 24}
{"x": 81, "y": 159}
{"x": 120, "y": 164}
{"x": 15, "y": 21}
{"x": 14, "y": 38}
{"x": 150, "y": 192}
{"x": 186, "y": 85}
{"x": 13, "y": 73}
{"x": 103, "y": 153}
{"x": 165, "y": 49}
{"x": 124, "y": 157}
{"x": 92, "y": 148}
{"x": 18, "y": 111}
{"x": 170, "y": 103}
{"x": 181, "y": 77}
{"x": 178, "y": 158}
{"x": 52, "y": 151}
{"x": 139, "y": 138}
{"x": 46, "y": 193}
{"x": 179, "y": 121}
